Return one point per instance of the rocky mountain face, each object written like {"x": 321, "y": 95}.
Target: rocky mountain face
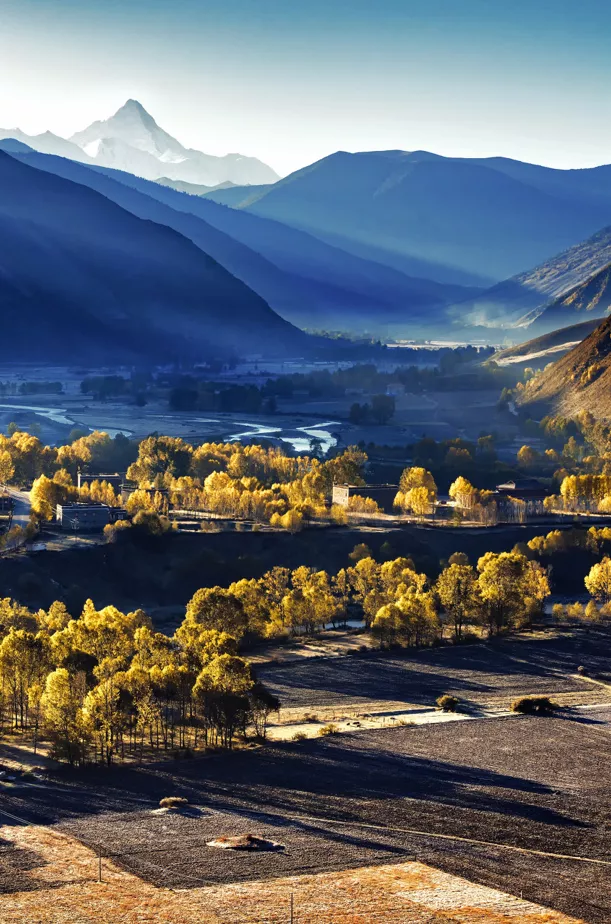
{"x": 539, "y": 351}
{"x": 579, "y": 381}
{"x": 591, "y": 298}
{"x": 521, "y": 302}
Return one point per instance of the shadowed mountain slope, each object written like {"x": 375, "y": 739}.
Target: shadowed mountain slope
{"x": 193, "y": 189}
{"x": 330, "y": 287}
{"x": 305, "y": 280}
{"x": 81, "y": 277}
{"x": 548, "y": 347}
{"x": 487, "y": 218}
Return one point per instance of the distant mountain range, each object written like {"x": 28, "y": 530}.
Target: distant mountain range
{"x": 131, "y": 140}
{"x": 305, "y": 280}
{"x": 466, "y": 221}
{"x": 391, "y": 244}
{"x": 579, "y": 381}
{"x": 84, "y": 279}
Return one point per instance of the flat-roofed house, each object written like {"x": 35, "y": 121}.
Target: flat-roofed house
{"x": 383, "y": 494}
{"x": 87, "y": 517}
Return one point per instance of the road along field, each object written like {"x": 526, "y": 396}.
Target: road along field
{"x": 521, "y": 805}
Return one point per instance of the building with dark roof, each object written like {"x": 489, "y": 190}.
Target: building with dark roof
{"x": 524, "y": 489}
{"x": 383, "y": 494}
{"x": 527, "y": 491}
{"x": 87, "y": 517}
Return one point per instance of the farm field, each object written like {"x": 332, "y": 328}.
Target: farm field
{"x": 408, "y": 891}
{"x": 487, "y": 675}
{"x": 446, "y": 795}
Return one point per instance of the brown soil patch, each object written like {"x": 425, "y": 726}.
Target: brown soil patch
{"x": 64, "y": 890}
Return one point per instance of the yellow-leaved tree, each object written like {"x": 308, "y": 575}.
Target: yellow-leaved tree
{"x": 598, "y": 580}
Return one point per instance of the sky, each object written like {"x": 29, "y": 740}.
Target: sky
{"x": 290, "y": 81}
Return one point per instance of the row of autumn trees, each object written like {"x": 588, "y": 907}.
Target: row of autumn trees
{"x": 396, "y": 602}
{"x": 228, "y": 479}
{"x": 253, "y": 482}
{"x": 24, "y": 458}
{"x": 418, "y": 495}
{"x": 106, "y": 684}
{"x": 231, "y": 480}
{"x": 578, "y": 493}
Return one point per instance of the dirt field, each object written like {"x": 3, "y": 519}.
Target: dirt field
{"x": 446, "y": 795}
{"x": 483, "y": 675}
{"x": 59, "y": 887}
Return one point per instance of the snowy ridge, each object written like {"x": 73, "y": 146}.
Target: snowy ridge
{"x": 131, "y": 140}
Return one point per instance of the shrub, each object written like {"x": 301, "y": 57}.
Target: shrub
{"x": 534, "y": 705}
{"x": 339, "y": 515}
{"x": 173, "y": 802}
{"x": 330, "y": 729}
{"x": 210, "y": 526}
{"x": 299, "y": 736}
{"x": 447, "y": 703}
{"x": 112, "y": 530}
{"x": 151, "y": 523}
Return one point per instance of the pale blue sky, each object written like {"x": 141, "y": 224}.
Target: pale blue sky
{"x": 290, "y": 81}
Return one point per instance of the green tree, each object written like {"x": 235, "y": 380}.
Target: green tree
{"x": 382, "y": 408}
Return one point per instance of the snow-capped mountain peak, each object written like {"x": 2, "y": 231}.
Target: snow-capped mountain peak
{"x": 132, "y": 140}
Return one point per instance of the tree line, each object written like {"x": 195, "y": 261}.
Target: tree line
{"x": 106, "y": 685}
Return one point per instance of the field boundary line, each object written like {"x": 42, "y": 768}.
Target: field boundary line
{"x": 450, "y": 837}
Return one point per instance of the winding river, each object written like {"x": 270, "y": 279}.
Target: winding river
{"x": 299, "y": 438}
